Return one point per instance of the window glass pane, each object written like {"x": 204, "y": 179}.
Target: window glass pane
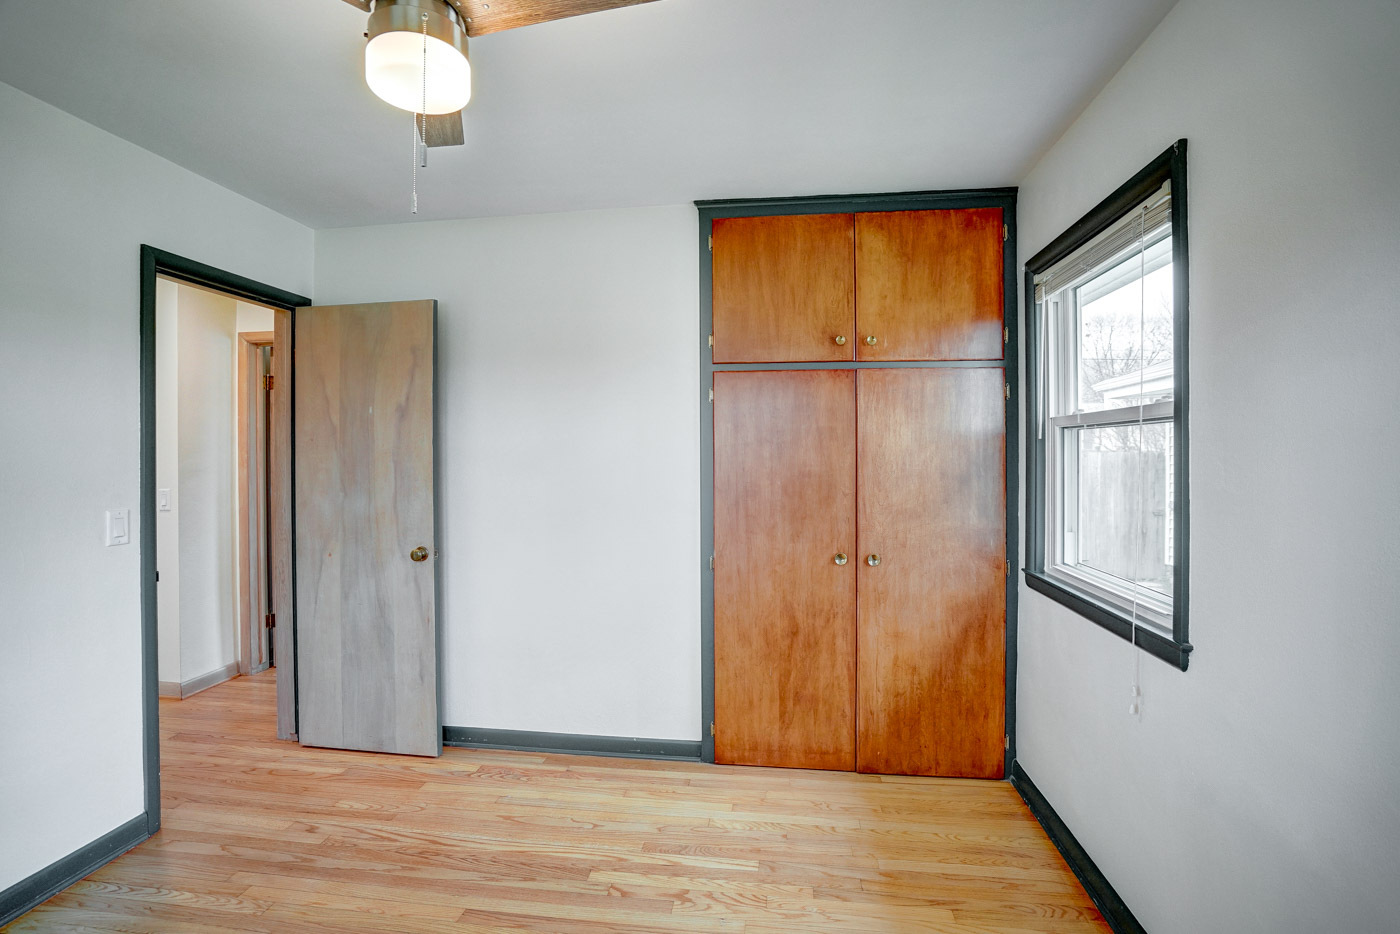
{"x": 1125, "y": 332}
{"x": 1125, "y": 495}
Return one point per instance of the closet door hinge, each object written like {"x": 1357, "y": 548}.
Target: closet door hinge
{"x": 712, "y": 562}
{"x": 712, "y": 395}
{"x": 712, "y": 342}
{"x": 267, "y": 382}
{"x": 270, "y": 621}
{"x": 712, "y": 728}
{"x": 1008, "y": 567}
{"x": 1006, "y": 390}
{"x": 1003, "y": 233}
{"x": 1006, "y": 741}
{"x": 1006, "y": 334}
{"x": 712, "y": 243}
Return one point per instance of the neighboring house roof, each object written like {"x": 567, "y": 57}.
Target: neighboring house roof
{"x": 1151, "y": 380}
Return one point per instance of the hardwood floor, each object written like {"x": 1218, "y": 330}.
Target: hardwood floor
{"x": 263, "y": 836}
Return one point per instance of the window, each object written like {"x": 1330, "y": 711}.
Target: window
{"x": 1107, "y": 429}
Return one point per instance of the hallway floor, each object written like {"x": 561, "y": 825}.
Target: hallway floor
{"x": 265, "y": 836}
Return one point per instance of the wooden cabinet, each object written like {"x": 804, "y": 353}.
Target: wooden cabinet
{"x": 932, "y": 612}
{"x": 859, "y": 511}
{"x": 892, "y": 285}
{"x": 883, "y": 652}
{"x": 785, "y": 459}
{"x": 783, "y": 288}
{"x": 929, "y": 285}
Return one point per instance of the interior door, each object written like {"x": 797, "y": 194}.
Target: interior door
{"x": 366, "y": 575}
{"x": 929, "y": 285}
{"x": 785, "y": 581}
{"x": 932, "y": 609}
{"x": 783, "y": 288}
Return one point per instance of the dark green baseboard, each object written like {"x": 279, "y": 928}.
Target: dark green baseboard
{"x": 54, "y": 878}
{"x": 1105, "y": 897}
{"x": 580, "y": 744}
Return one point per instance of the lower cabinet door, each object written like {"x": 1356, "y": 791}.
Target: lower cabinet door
{"x": 932, "y": 574}
{"x": 785, "y": 568}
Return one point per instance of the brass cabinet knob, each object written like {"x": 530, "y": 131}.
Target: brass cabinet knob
{"x": 419, "y": 554}
{"x": 872, "y": 560}
{"x": 839, "y": 559}
{"x": 870, "y": 339}
{"x": 840, "y": 340}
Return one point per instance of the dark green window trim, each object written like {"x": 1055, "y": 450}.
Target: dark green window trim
{"x": 1175, "y": 650}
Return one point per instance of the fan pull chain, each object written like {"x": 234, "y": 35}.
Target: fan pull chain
{"x": 424, "y": 116}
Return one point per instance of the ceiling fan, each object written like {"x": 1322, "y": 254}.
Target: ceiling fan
{"x": 416, "y": 58}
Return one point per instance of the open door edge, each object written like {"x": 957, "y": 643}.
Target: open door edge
{"x": 280, "y": 494}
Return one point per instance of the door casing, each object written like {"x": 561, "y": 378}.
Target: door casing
{"x": 155, "y": 262}
{"x": 253, "y": 490}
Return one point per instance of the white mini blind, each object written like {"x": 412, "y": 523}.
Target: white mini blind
{"x": 1140, "y": 224}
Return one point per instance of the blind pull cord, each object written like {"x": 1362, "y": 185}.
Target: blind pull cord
{"x": 1135, "y": 708}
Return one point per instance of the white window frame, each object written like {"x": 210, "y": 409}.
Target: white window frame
{"x": 1061, "y": 420}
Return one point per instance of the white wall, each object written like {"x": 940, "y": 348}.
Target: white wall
{"x": 75, "y": 205}
{"x": 168, "y": 478}
{"x": 207, "y": 471}
{"x": 196, "y": 387}
{"x": 253, "y": 317}
{"x": 1259, "y": 791}
{"x": 568, "y": 367}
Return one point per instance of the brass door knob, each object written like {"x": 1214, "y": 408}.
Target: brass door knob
{"x": 839, "y": 559}
{"x": 419, "y": 554}
{"x": 872, "y": 560}
{"x": 870, "y": 339}
{"x": 840, "y": 340}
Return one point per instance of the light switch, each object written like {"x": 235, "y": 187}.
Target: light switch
{"x": 118, "y": 527}
{"x": 163, "y": 500}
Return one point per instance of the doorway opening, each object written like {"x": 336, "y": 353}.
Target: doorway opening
{"x": 214, "y": 551}
{"x": 216, "y": 489}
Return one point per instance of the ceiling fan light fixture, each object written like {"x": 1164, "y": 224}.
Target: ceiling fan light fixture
{"x": 394, "y": 58}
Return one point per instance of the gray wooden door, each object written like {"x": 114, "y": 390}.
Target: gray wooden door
{"x": 366, "y": 568}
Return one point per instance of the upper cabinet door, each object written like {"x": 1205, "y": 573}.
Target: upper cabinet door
{"x": 784, "y": 288}
{"x": 929, "y": 285}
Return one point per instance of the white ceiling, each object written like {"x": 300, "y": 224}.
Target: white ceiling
{"x": 661, "y": 103}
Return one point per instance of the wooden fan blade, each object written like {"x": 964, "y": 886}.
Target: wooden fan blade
{"x": 486, "y": 16}
{"x": 441, "y": 129}
{"x": 359, "y": 4}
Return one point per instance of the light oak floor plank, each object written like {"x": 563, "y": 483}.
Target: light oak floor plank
{"x": 263, "y": 837}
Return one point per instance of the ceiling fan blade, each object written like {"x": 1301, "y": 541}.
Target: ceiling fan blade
{"x": 359, "y": 4}
{"x": 441, "y": 129}
{"x": 486, "y": 16}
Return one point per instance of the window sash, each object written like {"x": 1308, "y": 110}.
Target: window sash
{"x": 1062, "y": 490}
{"x": 1059, "y": 417}
{"x": 1123, "y": 417}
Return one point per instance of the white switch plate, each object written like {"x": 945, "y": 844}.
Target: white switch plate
{"x": 163, "y": 500}
{"x": 118, "y": 527}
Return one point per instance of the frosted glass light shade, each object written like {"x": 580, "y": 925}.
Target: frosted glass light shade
{"x": 394, "y": 71}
